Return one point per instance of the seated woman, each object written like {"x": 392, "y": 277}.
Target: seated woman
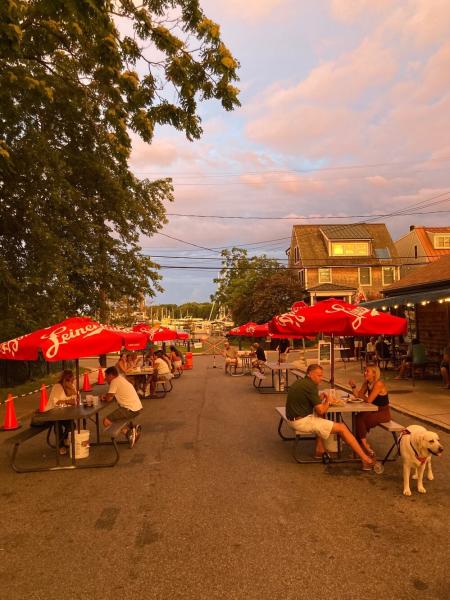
{"x": 121, "y": 364}
{"x": 416, "y": 355}
{"x": 372, "y": 391}
{"x": 62, "y": 394}
{"x": 176, "y": 359}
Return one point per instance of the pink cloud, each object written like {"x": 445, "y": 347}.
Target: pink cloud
{"x": 350, "y": 10}
{"x": 250, "y": 9}
{"x": 161, "y": 152}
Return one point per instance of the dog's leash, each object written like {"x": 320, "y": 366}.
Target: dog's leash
{"x": 421, "y": 459}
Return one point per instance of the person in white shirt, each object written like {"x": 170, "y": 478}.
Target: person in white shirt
{"x": 370, "y": 348}
{"x": 129, "y": 403}
{"x": 161, "y": 371}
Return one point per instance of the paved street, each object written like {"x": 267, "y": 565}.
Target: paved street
{"x": 210, "y": 504}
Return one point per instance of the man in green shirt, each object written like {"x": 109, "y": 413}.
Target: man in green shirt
{"x": 305, "y": 410}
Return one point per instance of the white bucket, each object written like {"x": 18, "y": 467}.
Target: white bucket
{"x": 81, "y": 443}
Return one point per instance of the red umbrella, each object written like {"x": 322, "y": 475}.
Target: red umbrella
{"x": 160, "y": 334}
{"x": 336, "y": 317}
{"x": 339, "y": 318}
{"x": 73, "y": 338}
{"x": 243, "y": 329}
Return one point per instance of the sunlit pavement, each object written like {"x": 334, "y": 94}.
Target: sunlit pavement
{"x": 210, "y": 504}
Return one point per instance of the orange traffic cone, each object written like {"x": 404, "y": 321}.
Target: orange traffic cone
{"x": 44, "y": 399}
{"x": 86, "y": 384}
{"x": 11, "y": 421}
{"x": 100, "y": 378}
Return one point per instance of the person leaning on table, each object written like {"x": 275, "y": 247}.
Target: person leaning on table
{"x": 373, "y": 391}
{"x": 129, "y": 403}
{"x": 63, "y": 393}
{"x": 305, "y": 410}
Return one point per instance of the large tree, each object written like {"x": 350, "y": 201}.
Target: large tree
{"x": 254, "y": 288}
{"x": 77, "y": 78}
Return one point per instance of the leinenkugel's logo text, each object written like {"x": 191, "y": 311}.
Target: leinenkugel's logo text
{"x": 63, "y": 335}
{"x": 11, "y": 346}
{"x": 290, "y": 318}
{"x": 359, "y": 312}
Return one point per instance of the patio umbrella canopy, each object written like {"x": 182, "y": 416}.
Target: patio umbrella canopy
{"x": 244, "y": 329}
{"x": 160, "y": 334}
{"x": 336, "y": 317}
{"x": 73, "y": 338}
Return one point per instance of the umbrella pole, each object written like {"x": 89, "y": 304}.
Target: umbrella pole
{"x": 304, "y": 352}
{"x": 77, "y": 371}
{"x": 332, "y": 362}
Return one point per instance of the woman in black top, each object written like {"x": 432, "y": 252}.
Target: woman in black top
{"x": 372, "y": 391}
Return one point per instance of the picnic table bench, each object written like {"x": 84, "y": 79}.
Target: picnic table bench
{"x": 50, "y": 421}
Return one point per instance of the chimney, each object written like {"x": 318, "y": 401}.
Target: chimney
{"x": 412, "y": 227}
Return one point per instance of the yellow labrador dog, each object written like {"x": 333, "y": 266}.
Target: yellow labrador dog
{"x": 417, "y": 445}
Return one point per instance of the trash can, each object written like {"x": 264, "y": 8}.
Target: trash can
{"x": 189, "y": 362}
{"x": 81, "y": 443}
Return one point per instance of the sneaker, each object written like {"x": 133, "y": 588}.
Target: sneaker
{"x": 138, "y": 430}
{"x": 131, "y": 435}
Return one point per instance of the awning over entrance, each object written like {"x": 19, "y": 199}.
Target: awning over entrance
{"x": 409, "y": 298}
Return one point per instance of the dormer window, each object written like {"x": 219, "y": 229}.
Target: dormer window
{"x": 442, "y": 242}
{"x": 349, "y": 249}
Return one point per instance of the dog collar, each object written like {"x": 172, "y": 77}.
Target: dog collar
{"x": 419, "y": 458}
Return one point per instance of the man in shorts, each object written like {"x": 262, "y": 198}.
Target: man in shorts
{"x": 305, "y": 410}
{"x": 129, "y": 403}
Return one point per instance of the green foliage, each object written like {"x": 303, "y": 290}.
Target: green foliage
{"x": 73, "y": 87}
{"x": 274, "y": 295}
{"x": 255, "y": 288}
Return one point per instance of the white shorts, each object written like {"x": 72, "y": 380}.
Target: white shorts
{"x": 312, "y": 424}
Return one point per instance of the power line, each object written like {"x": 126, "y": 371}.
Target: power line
{"x": 302, "y": 218}
{"x": 272, "y": 268}
{"x": 420, "y": 204}
{"x": 309, "y": 258}
{"x": 305, "y": 170}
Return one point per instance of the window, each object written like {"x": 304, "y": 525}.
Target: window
{"x": 349, "y": 248}
{"x": 296, "y": 254}
{"x": 388, "y": 275}
{"x": 415, "y": 251}
{"x": 365, "y": 276}
{"x": 325, "y": 275}
{"x": 301, "y": 278}
{"x": 382, "y": 253}
{"x": 442, "y": 241}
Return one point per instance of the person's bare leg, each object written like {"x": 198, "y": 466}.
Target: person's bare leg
{"x": 320, "y": 447}
{"x": 366, "y": 447}
{"x": 351, "y": 441}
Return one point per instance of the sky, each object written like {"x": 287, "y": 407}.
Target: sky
{"x": 345, "y": 116}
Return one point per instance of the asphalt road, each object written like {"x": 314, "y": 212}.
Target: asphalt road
{"x": 209, "y": 504}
